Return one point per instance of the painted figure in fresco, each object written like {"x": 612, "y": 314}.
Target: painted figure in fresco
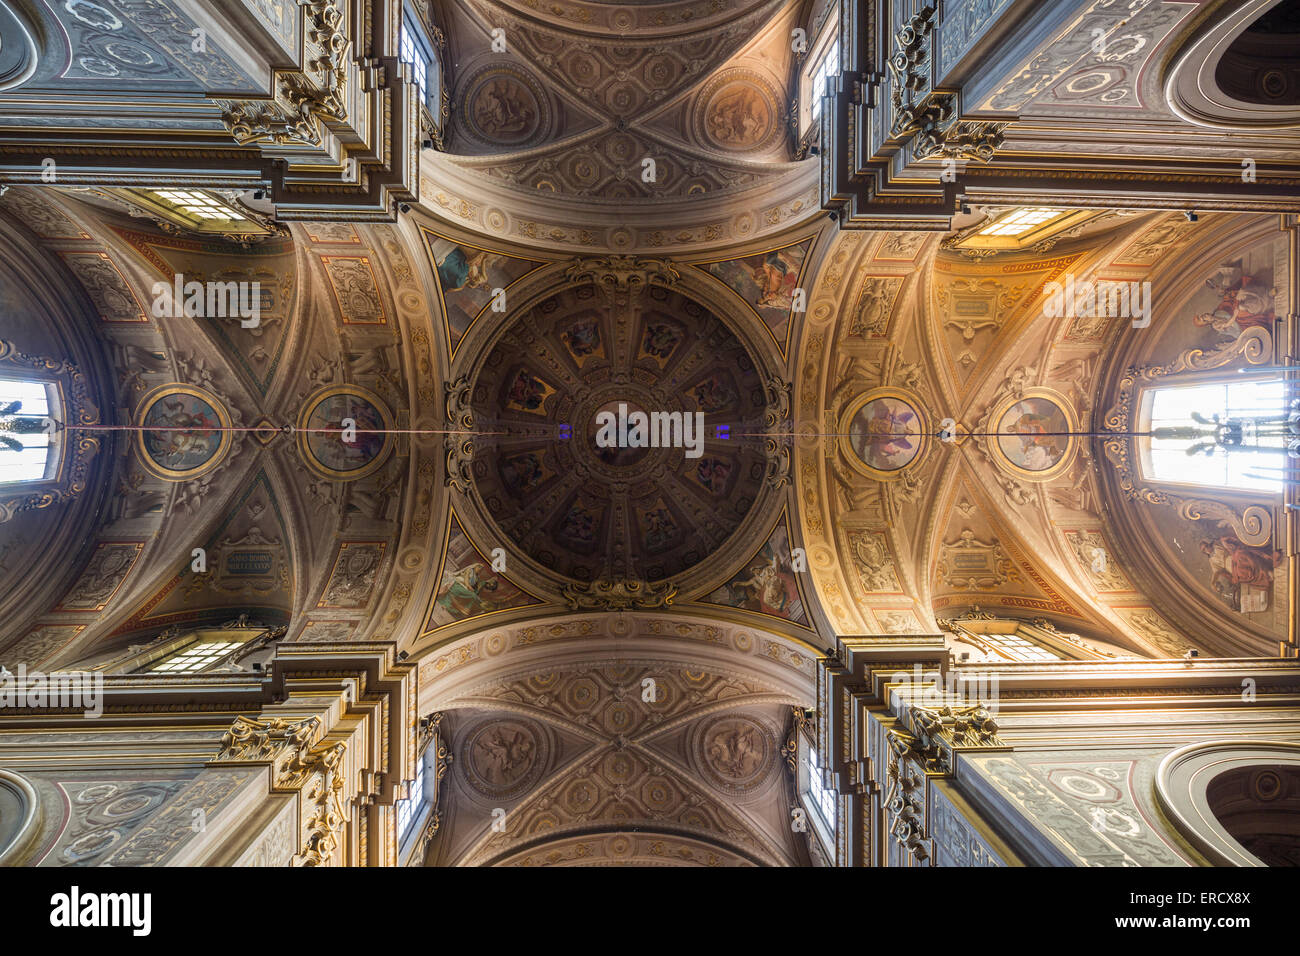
{"x": 503, "y": 759}
{"x": 522, "y": 473}
{"x": 775, "y": 277}
{"x": 713, "y": 394}
{"x": 330, "y": 447}
{"x": 1237, "y": 569}
{"x": 466, "y": 269}
{"x": 173, "y": 449}
{"x": 879, "y": 434}
{"x": 712, "y": 473}
{"x": 768, "y": 588}
{"x": 660, "y": 340}
{"x": 527, "y": 391}
{"x": 582, "y": 339}
{"x": 579, "y": 525}
{"x": 1245, "y": 302}
{"x": 461, "y": 592}
{"x": 659, "y": 529}
{"x": 501, "y": 110}
{"x": 1039, "y": 450}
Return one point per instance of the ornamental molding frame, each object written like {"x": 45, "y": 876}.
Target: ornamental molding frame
{"x": 606, "y": 595}
{"x": 1250, "y": 522}
{"x": 77, "y": 447}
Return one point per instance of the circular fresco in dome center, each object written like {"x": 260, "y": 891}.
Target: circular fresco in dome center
{"x": 605, "y": 460}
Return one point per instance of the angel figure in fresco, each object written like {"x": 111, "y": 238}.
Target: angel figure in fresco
{"x": 175, "y": 447}
{"x": 775, "y": 277}
{"x": 1236, "y": 569}
{"x": 1245, "y": 302}
{"x": 659, "y": 529}
{"x": 461, "y": 592}
{"x": 881, "y": 438}
{"x": 768, "y": 589}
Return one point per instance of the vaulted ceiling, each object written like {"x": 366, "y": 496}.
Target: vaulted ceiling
{"x": 540, "y": 582}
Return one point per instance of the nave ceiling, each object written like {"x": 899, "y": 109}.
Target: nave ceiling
{"x": 539, "y": 583}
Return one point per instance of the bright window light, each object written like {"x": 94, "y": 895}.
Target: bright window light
{"x": 408, "y": 809}
{"x": 1019, "y": 222}
{"x": 412, "y": 51}
{"x": 24, "y": 443}
{"x": 195, "y": 657}
{"x": 1018, "y": 648}
{"x": 198, "y": 204}
{"x": 827, "y": 67}
{"x": 1191, "y": 456}
{"x": 822, "y": 799}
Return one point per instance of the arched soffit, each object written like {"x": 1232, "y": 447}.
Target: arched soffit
{"x": 1207, "y": 555}
{"x": 580, "y": 724}
{"x": 51, "y": 335}
{"x": 1239, "y": 70}
{"x": 550, "y": 136}
{"x": 285, "y": 535}
{"x": 902, "y": 325}
{"x": 1185, "y": 780}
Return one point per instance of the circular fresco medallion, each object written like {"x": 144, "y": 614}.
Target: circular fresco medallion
{"x": 505, "y": 108}
{"x": 736, "y": 752}
{"x": 1034, "y": 434}
{"x": 884, "y": 433}
{"x": 184, "y": 432}
{"x": 739, "y": 113}
{"x": 503, "y": 758}
{"x": 321, "y": 432}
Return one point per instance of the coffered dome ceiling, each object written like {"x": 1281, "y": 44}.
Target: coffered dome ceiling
{"x": 586, "y": 512}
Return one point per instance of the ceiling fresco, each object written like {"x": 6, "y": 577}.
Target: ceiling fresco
{"x": 876, "y": 431}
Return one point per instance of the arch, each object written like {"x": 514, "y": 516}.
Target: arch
{"x": 1185, "y": 782}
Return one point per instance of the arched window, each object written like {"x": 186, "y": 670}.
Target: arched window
{"x": 25, "y": 438}
{"x": 1225, "y": 433}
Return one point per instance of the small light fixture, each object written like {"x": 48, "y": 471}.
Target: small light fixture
{"x": 1191, "y": 215}
{"x": 259, "y": 194}
{"x": 403, "y": 655}
{"x": 403, "y": 207}
{"x": 1192, "y": 654}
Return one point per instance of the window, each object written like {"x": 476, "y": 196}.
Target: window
{"x": 196, "y": 657}
{"x": 1017, "y": 647}
{"x": 821, "y": 798}
{"x": 827, "y": 67}
{"x": 24, "y": 439}
{"x": 198, "y": 204}
{"x": 414, "y": 48}
{"x": 1228, "y": 434}
{"x": 408, "y": 810}
{"x": 1019, "y": 222}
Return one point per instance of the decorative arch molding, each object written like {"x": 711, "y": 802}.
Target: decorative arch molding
{"x": 20, "y": 818}
{"x": 613, "y": 847}
{"x": 787, "y": 663}
{"x": 1184, "y": 777}
{"x": 19, "y": 56}
{"x": 1192, "y": 90}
